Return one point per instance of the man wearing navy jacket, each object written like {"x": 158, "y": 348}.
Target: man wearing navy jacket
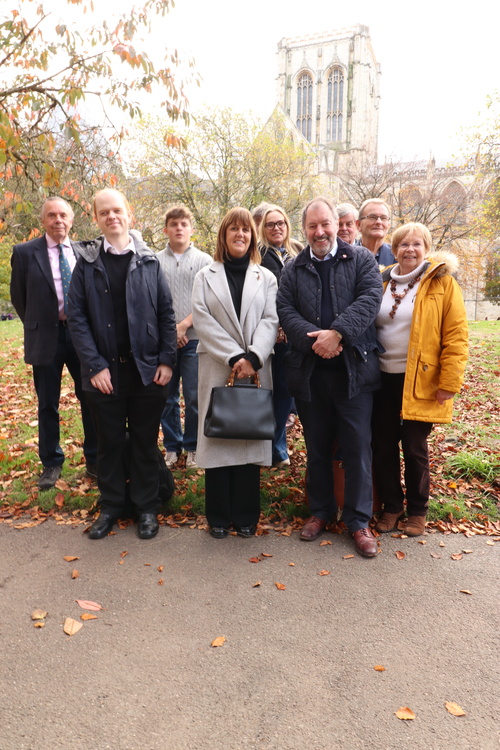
{"x": 41, "y": 270}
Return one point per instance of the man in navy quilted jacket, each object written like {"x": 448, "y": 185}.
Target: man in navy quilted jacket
{"x": 328, "y": 299}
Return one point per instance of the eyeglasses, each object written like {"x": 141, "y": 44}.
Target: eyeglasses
{"x": 374, "y": 217}
{"x": 271, "y": 224}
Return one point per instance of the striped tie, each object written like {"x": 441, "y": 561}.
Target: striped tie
{"x": 65, "y": 275}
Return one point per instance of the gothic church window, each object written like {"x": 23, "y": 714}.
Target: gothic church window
{"x": 304, "y": 105}
{"x": 335, "y": 105}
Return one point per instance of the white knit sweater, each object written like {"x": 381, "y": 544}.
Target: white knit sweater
{"x": 394, "y": 333}
{"x": 180, "y": 271}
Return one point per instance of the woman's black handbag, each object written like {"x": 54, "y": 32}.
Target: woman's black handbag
{"x": 240, "y": 411}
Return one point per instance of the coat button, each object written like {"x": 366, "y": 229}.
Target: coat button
{"x": 109, "y": 325}
{"x": 425, "y": 368}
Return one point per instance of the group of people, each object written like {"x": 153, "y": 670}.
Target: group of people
{"x": 367, "y": 341}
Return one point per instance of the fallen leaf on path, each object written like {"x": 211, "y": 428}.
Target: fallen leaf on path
{"x": 347, "y": 557}
{"x": 404, "y": 713}
{"x": 124, "y": 553}
{"x": 39, "y": 614}
{"x": 280, "y": 586}
{"x": 257, "y": 583}
{"x": 218, "y": 641}
{"x": 422, "y": 541}
{"x": 490, "y": 543}
{"x": 442, "y": 544}
{"x": 400, "y": 555}
{"x": 39, "y": 624}
{"x": 75, "y": 574}
{"x": 265, "y": 554}
{"x": 467, "y": 551}
{"x": 379, "y": 668}
{"x": 325, "y": 542}
{"x": 70, "y": 558}
{"x": 87, "y": 616}
{"x": 160, "y": 568}
{"x": 160, "y": 582}
{"x": 254, "y": 560}
{"x": 454, "y": 708}
{"x": 85, "y": 604}
{"x": 324, "y": 573}
{"x": 59, "y": 500}
{"x": 456, "y": 556}
{"x": 71, "y": 627}
{"x": 292, "y": 565}
{"x": 465, "y": 591}
{"x": 435, "y": 556}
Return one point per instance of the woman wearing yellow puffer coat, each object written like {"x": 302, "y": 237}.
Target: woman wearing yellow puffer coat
{"x": 422, "y": 326}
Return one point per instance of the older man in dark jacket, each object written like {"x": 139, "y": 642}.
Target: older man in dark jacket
{"x": 123, "y": 327}
{"x": 327, "y": 302}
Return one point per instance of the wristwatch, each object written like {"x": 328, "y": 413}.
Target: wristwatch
{"x": 338, "y": 334}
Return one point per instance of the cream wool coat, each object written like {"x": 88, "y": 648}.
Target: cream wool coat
{"x": 221, "y": 337}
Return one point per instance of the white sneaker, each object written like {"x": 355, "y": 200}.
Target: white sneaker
{"x": 281, "y": 464}
{"x": 191, "y": 460}
{"x": 171, "y": 458}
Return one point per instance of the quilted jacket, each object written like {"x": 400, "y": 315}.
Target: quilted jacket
{"x": 356, "y": 290}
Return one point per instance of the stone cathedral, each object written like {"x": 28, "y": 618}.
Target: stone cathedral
{"x": 328, "y": 86}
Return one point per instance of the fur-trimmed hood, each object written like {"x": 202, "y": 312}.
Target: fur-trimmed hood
{"x": 439, "y": 263}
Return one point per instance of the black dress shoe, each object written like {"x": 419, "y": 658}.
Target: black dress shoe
{"x": 91, "y": 470}
{"x": 246, "y": 531}
{"x": 102, "y": 526}
{"x": 218, "y": 532}
{"x": 147, "y": 525}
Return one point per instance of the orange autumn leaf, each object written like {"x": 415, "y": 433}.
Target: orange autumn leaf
{"x": 292, "y": 565}
{"x": 465, "y": 591}
{"x": 124, "y": 553}
{"x": 257, "y": 583}
{"x": 85, "y": 604}
{"x": 59, "y": 500}
{"x": 75, "y": 574}
{"x": 324, "y": 543}
{"x": 324, "y": 573}
{"x": 87, "y": 616}
{"x": 404, "y": 713}
{"x": 456, "y": 556}
{"x": 70, "y": 558}
{"x": 265, "y": 554}
{"x": 160, "y": 582}
{"x": 379, "y": 668}
{"x": 160, "y": 568}
{"x": 218, "y": 641}
{"x": 280, "y": 586}
{"x": 71, "y": 627}
{"x": 400, "y": 555}
{"x": 39, "y": 614}
{"x": 254, "y": 560}
{"x": 347, "y": 557}
{"x": 454, "y": 708}
{"x": 39, "y": 624}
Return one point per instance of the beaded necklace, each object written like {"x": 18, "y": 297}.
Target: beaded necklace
{"x": 399, "y": 297}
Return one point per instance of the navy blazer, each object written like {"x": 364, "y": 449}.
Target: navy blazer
{"x": 34, "y": 297}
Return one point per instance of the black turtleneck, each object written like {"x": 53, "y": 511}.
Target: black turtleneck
{"x": 236, "y": 269}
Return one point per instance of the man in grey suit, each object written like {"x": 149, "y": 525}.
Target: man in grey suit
{"x": 41, "y": 273}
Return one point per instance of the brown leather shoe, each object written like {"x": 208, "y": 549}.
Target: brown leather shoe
{"x": 415, "y": 525}
{"x": 388, "y": 522}
{"x": 312, "y": 528}
{"x": 365, "y": 542}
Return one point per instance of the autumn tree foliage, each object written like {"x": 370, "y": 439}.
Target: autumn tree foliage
{"x": 52, "y": 70}
{"x": 227, "y": 159}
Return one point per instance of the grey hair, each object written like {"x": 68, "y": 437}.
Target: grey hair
{"x": 347, "y": 208}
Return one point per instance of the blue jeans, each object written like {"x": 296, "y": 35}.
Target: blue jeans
{"x": 47, "y": 379}
{"x": 187, "y": 369}
{"x": 282, "y": 402}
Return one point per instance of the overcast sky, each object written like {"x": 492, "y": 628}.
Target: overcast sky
{"x": 439, "y": 59}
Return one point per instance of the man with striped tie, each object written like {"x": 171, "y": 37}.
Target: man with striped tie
{"x": 41, "y": 274}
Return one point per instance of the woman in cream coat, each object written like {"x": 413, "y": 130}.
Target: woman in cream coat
{"x": 234, "y": 313}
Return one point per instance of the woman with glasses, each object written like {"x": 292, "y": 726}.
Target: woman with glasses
{"x": 234, "y": 313}
{"x": 422, "y": 327}
{"x": 276, "y": 249}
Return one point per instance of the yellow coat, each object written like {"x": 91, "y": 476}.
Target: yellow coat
{"x": 438, "y": 344}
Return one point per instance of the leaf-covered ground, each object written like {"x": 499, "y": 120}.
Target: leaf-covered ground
{"x": 465, "y": 457}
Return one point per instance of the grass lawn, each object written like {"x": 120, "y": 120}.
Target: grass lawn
{"x": 464, "y": 455}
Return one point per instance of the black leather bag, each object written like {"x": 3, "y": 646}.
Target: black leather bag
{"x": 240, "y": 411}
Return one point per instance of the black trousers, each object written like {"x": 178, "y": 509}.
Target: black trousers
{"x": 47, "y": 379}
{"x": 331, "y": 416}
{"x": 232, "y": 495}
{"x": 388, "y": 431}
{"x": 135, "y": 408}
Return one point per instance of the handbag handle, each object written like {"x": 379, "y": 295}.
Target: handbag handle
{"x": 255, "y": 379}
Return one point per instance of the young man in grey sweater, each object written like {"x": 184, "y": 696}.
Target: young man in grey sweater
{"x": 181, "y": 261}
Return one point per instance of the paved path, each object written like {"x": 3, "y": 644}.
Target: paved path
{"x": 296, "y": 670}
